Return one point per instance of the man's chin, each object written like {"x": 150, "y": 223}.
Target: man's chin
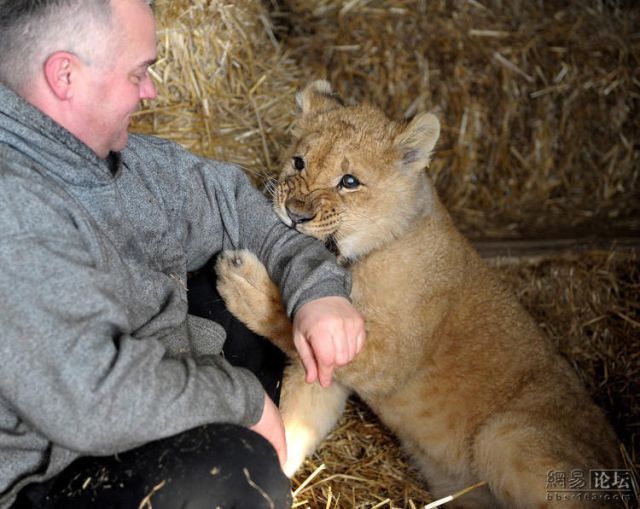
{"x": 120, "y": 143}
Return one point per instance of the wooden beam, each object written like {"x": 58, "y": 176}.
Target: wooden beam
{"x": 544, "y": 248}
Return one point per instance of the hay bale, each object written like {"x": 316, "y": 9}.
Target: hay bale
{"x": 589, "y": 305}
{"x": 539, "y": 100}
{"x": 224, "y": 86}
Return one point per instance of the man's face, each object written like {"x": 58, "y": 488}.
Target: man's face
{"x": 111, "y": 88}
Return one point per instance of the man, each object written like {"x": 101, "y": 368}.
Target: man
{"x": 112, "y": 394}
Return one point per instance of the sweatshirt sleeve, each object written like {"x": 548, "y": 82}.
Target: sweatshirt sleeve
{"x": 223, "y": 210}
{"x": 71, "y": 369}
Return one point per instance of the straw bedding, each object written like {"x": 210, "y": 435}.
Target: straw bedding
{"x": 539, "y": 102}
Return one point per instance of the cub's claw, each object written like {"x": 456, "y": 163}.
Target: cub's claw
{"x": 243, "y": 282}
{"x": 251, "y": 296}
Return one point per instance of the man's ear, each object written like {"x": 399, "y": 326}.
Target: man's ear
{"x": 59, "y": 70}
{"x": 317, "y": 97}
{"x": 417, "y": 140}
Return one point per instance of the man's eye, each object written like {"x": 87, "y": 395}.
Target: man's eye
{"x": 138, "y": 77}
{"x": 348, "y": 181}
{"x": 298, "y": 163}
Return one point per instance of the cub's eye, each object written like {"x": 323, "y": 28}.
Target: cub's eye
{"x": 348, "y": 181}
{"x": 298, "y": 163}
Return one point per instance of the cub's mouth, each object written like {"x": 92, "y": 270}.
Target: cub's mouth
{"x": 331, "y": 244}
{"x": 297, "y": 214}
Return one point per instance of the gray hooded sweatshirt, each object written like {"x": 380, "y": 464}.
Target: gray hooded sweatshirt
{"x": 97, "y": 352}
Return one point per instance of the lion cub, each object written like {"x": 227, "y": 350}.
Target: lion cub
{"x": 453, "y": 365}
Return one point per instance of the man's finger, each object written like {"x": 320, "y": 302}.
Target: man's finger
{"x": 353, "y": 345}
{"x": 307, "y": 358}
{"x": 342, "y": 349}
{"x": 325, "y": 370}
{"x": 360, "y": 343}
{"x": 351, "y": 349}
{"x": 325, "y": 375}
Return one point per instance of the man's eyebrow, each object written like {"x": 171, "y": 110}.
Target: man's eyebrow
{"x": 147, "y": 63}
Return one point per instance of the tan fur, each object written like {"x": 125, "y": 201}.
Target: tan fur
{"x": 453, "y": 365}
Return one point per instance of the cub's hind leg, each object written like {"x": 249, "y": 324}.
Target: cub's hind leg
{"x": 515, "y": 455}
{"x": 309, "y": 412}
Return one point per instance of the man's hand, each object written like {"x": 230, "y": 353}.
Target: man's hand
{"x": 328, "y": 333}
{"x": 270, "y": 426}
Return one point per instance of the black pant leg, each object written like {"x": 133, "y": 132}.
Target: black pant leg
{"x": 243, "y": 347}
{"x": 218, "y": 465}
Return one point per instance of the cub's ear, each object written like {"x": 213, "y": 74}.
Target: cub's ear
{"x": 317, "y": 97}
{"x": 416, "y": 141}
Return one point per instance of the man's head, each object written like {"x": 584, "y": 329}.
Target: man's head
{"x": 82, "y": 62}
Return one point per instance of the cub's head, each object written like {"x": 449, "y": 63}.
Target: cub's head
{"x": 354, "y": 178}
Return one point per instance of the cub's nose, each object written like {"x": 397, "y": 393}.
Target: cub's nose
{"x": 297, "y": 211}
{"x": 298, "y": 218}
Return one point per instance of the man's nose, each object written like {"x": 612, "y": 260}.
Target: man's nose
{"x": 148, "y": 89}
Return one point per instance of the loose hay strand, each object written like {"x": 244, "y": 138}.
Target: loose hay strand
{"x": 450, "y": 498}
{"x": 308, "y": 480}
{"x": 146, "y": 501}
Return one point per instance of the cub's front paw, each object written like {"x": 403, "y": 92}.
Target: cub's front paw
{"x": 243, "y": 283}
{"x": 247, "y": 290}
{"x": 243, "y": 267}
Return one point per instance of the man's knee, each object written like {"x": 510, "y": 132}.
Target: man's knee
{"x": 233, "y": 468}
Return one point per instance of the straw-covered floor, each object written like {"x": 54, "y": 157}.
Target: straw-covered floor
{"x": 539, "y": 102}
